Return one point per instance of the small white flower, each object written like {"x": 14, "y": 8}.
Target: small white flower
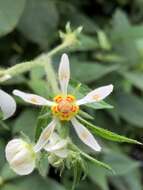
{"x": 20, "y": 156}
{"x": 58, "y": 146}
{"x": 7, "y": 104}
{"x": 66, "y": 107}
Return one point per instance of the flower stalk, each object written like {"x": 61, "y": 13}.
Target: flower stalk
{"x": 51, "y": 77}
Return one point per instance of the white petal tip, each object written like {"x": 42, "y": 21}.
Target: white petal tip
{"x": 65, "y": 59}
{"x": 98, "y": 149}
{"x": 111, "y": 87}
{"x": 15, "y": 92}
{"x": 64, "y": 56}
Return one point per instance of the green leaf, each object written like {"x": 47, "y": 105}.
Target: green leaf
{"x": 7, "y": 173}
{"x": 96, "y": 162}
{"x": 135, "y": 77}
{"x": 98, "y": 175}
{"x": 120, "y": 162}
{"x": 9, "y": 187}
{"x": 120, "y": 24}
{"x": 26, "y": 123}
{"x": 93, "y": 70}
{"x": 34, "y": 182}
{"x": 39, "y": 87}
{"x": 107, "y": 134}
{"x": 43, "y": 164}
{"x": 125, "y": 47}
{"x": 10, "y": 13}
{"x": 2, "y": 156}
{"x": 39, "y": 21}
{"x": 123, "y": 29}
{"x": 130, "y": 181}
{"x": 42, "y": 121}
{"x": 130, "y": 108}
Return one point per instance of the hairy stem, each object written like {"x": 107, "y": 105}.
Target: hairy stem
{"x": 51, "y": 77}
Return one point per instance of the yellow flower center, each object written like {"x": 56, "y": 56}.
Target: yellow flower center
{"x": 65, "y": 107}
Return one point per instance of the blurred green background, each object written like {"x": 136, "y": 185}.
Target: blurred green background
{"x": 110, "y": 51}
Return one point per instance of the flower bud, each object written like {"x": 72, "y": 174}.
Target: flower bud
{"x": 20, "y": 156}
{"x": 70, "y": 37}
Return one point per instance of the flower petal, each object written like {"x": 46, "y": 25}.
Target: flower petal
{"x": 96, "y": 95}
{"x": 45, "y": 135}
{"x": 7, "y": 104}
{"x": 59, "y": 145}
{"x": 12, "y": 148}
{"x": 64, "y": 73}
{"x": 20, "y": 156}
{"x": 22, "y": 164}
{"x": 85, "y": 135}
{"x": 24, "y": 168}
{"x": 62, "y": 153}
{"x": 33, "y": 98}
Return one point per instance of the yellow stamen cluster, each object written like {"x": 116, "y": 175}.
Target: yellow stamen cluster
{"x": 65, "y": 107}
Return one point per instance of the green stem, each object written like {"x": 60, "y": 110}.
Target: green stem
{"x": 27, "y": 66}
{"x": 51, "y": 77}
{"x": 20, "y": 68}
{"x": 74, "y": 180}
{"x": 43, "y": 60}
{"x": 57, "y": 49}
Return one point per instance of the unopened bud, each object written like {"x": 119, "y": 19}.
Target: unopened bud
{"x": 20, "y": 156}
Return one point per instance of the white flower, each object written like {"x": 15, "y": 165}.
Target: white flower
{"x": 7, "y": 104}
{"x": 20, "y": 156}
{"x": 66, "y": 107}
{"x": 58, "y": 146}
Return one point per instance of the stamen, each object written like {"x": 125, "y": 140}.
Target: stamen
{"x": 65, "y": 107}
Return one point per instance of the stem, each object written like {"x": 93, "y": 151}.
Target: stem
{"x": 51, "y": 77}
{"x": 57, "y": 49}
{"x": 26, "y": 66}
{"x": 20, "y": 68}
{"x": 75, "y": 178}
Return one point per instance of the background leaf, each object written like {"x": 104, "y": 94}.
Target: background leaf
{"x": 10, "y": 13}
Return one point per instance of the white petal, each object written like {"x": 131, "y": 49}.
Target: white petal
{"x": 51, "y": 148}
{"x": 53, "y": 139}
{"x": 64, "y": 73}
{"x": 96, "y": 95}
{"x": 45, "y": 135}
{"x": 33, "y": 98}
{"x": 85, "y": 135}
{"x": 13, "y": 147}
{"x": 62, "y": 153}
{"x": 25, "y": 168}
{"x": 7, "y": 104}
{"x": 20, "y": 156}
